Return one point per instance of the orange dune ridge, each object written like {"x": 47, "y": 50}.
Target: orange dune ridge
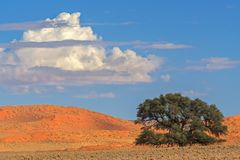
{"x": 50, "y": 123}
{"x": 233, "y": 123}
{"x": 54, "y": 124}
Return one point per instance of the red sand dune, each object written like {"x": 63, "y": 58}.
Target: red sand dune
{"x": 50, "y": 123}
{"x": 233, "y": 124}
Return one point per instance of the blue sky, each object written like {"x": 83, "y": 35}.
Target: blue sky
{"x": 190, "y": 47}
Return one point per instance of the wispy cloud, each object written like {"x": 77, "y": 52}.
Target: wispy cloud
{"x": 60, "y": 88}
{"x": 193, "y": 93}
{"x": 213, "y": 64}
{"x": 45, "y": 24}
{"x": 127, "y": 23}
{"x": 165, "y": 77}
{"x": 27, "y": 89}
{"x": 28, "y": 25}
{"x": 95, "y": 95}
{"x": 160, "y": 45}
{"x": 102, "y": 43}
{"x": 21, "y": 26}
{"x": 229, "y": 6}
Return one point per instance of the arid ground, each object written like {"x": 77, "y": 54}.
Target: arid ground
{"x": 53, "y": 132}
{"x": 215, "y": 152}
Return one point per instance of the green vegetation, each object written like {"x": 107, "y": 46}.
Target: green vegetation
{"x": 184, "y": 121}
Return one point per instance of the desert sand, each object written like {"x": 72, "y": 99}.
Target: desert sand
{"x": 49, "y": 127}
{"x": 59, "y": 131}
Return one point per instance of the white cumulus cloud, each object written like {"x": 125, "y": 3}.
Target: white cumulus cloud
{"x": 75, "y": 64}
{"x": 65, "y": 26}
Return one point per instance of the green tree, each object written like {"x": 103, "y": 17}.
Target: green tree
{"x": 184, "y": 120}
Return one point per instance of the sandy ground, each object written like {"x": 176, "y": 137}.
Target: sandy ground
{"x": 215, "y": 152}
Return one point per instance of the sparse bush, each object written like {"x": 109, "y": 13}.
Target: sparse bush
{"x": 150, "y": 138}
{"x": 147, "y": 137}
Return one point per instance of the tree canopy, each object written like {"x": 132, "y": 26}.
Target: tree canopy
{"x": 183, "y": 120}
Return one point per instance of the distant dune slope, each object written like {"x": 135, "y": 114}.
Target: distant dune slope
{"x": 40, "y": 124}
{"x": 50, "y": 123}
{"x": 233, "y": 124}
